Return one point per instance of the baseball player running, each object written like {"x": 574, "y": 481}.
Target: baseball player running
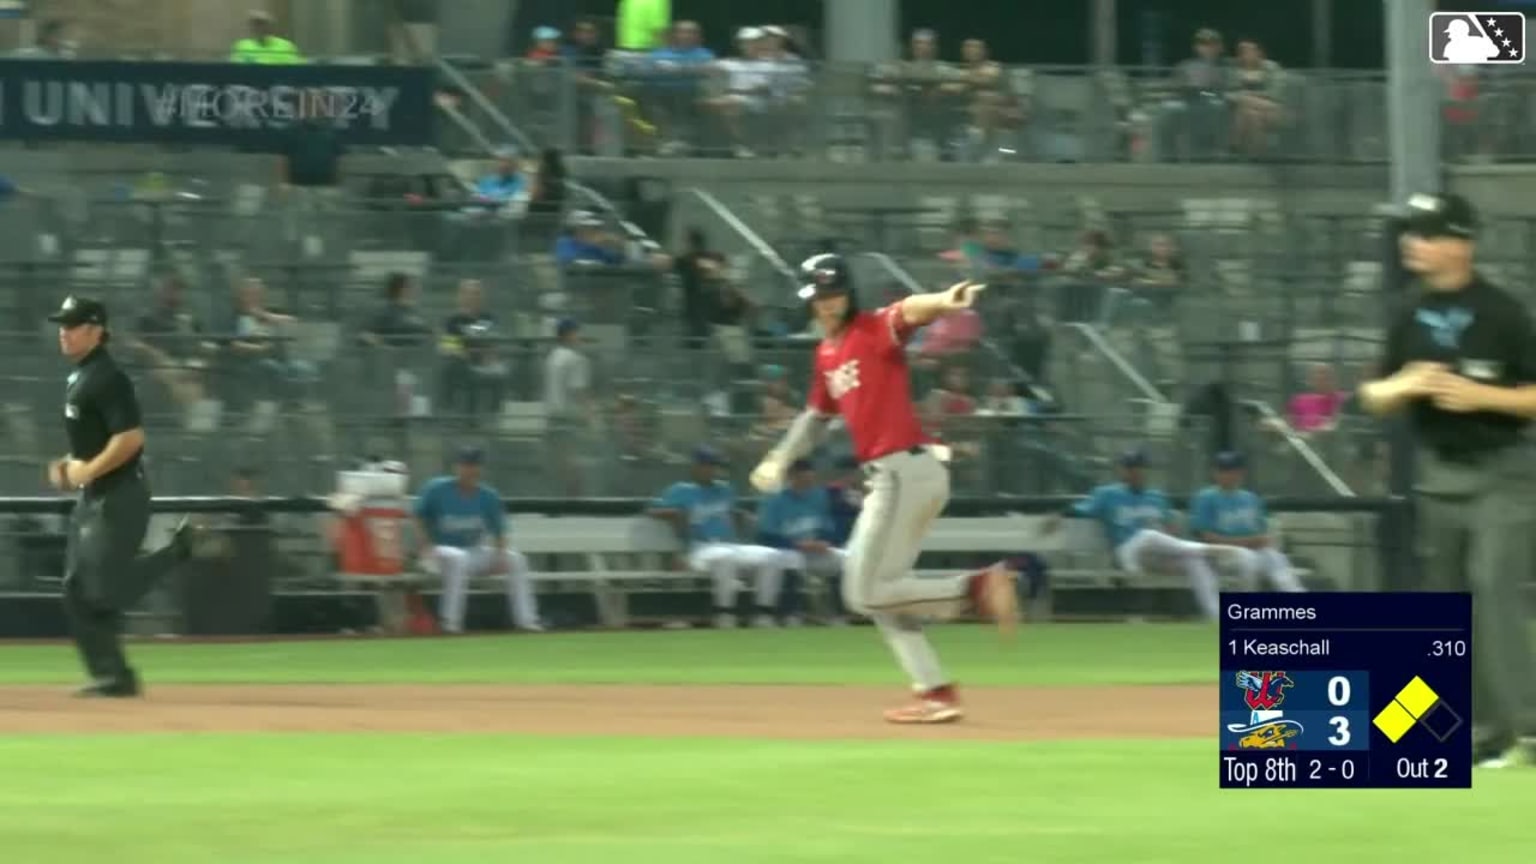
{"x": 1138, "y": 520}
{"x": 455, "y": 515}
{"x": 703, "y": 510}
{"x": 1229, "y": 515}
{"x": 797, "y": 520}
{"x": 861, "y": 375}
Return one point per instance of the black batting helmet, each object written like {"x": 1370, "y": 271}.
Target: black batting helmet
{"x": 828, "y": 275}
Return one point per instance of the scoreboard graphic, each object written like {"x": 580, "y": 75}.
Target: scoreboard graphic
{"x": 1346, "y": 690}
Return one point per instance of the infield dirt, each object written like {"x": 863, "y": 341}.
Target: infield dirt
{"x": 821, "y": 712}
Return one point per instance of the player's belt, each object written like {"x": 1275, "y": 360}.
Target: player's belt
{"x": 870, "y": 467}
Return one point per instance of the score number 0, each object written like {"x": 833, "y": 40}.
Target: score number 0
{"x": 1338, "y": 697}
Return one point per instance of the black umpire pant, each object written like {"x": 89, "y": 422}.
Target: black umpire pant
{"x": 104, "y": 573}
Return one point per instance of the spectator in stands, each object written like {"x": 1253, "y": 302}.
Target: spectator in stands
{"x": 585, "y": 54}
{"x": 1092, "y": 267}
{"x": 1319, "y": 407}
{"x": 584, "y": 47}
{"x": 925, "y": 91}
{"x": 730, "y": 319}
{"x": 474, "y": 375}
{"x": 697, "y": 269}
{"x": 1160, "y": 276}
{"x": 1003, "y": 400}
{"x": 1256, "y": 90}
{"x": 546, "y": 46}
{"x": 263, "y": 45}
{"x": 797, "y": 520}
{"x": 1029, "y": 339}
{"x": 258, "y": 332}
{"x": 397, "y": 323}
{"x": 244, "y": 482}
{"x": 504, "y": 189}
{"x": 948, "y": 410}
{"x": 965, "y": 249}
{"x": 777, "y": 404}
{"x": 568, "y": 402}
{"x": 52, "y": 42}
{"x": 170, "y": 338}
{"x": 746, "y": 106}
{"x": 999, "y": 255}
{"x": 674, "y": 85}
{"x": 311, "y": 166}
{"x": 993, "y": 107}
{"x": 642, "y": 24}
{"x": 703, "y": 511}
{"x": 587, "y": 242}
{"x": 546, "y": 189}
{"x": 1195, "y": 117}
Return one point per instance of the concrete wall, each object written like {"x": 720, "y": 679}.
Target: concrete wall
{"x": 187, "y": 29}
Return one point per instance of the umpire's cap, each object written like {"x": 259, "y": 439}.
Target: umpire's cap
{"x": 1448, "y": 215}
{"x": 75, "y": 311}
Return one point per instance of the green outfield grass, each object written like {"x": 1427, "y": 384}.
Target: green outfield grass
{"x": 1055, "y": 654}
{"x": 477, "y": 799}
{"x": 469, "y": 799}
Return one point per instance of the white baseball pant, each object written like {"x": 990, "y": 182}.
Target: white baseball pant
{"x": 1270, "y": 565}
{"x": 724, "y": 563}
{"x": 1150, "y": 549}
{"x": 829, "y": 563}
{"x": 459, "y": 566}
{"x": 906, "y": 493}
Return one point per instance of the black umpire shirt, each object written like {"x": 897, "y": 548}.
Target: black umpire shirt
{"x": 1481, "y": 333}
{"x": 99, "y": 402}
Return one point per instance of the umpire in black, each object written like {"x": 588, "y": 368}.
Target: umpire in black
{"x": 1461, "y": 360}
{"x": 105, "y": 573}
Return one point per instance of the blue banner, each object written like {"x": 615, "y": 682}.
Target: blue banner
{"x": 242, "y": 105}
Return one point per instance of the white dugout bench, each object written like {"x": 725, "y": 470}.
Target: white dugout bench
{"x": 615, "y": 557}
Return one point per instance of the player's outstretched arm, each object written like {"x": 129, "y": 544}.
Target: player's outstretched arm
{"x": 920, "y": 309}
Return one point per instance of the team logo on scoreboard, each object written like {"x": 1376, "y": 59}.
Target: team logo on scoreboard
{"x": 1267, "y": 727}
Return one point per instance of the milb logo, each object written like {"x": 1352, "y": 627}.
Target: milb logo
{"x": 1477, "y": 38}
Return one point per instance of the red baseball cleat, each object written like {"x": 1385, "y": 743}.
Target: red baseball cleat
{"x": 939, "y": 705}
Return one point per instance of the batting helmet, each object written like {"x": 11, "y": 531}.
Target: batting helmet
{"x": 827, "y": 275}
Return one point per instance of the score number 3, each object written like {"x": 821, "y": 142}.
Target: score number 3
{"x": 1338, "y": 696}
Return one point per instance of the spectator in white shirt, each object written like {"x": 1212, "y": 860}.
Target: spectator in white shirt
{"x": 568, "y": 402}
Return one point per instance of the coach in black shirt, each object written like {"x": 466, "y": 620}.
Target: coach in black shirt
{"x": 104, "y": 573}
{"x": 1461, "y": 360}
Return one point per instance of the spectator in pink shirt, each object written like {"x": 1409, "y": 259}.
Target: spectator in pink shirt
{"x": 1318, "y": 408}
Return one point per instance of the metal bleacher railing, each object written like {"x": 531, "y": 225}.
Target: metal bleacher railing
{"x": 1038, "y": 113}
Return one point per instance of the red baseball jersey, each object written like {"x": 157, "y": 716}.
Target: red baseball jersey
{"x": 862, "y": 374}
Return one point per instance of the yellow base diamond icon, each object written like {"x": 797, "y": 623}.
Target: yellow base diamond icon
{"x": 1417, "y": 697}
{"x": 1394, "y": 721}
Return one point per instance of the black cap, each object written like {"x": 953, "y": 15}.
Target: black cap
{"x": 799, "y": 465}
{"x": 1133, "y": 459}
{"x": 1447, "y": 215}
{"x": 1230, "y": 460}
{"x": 821, "y": 275}
{"x": 706, "y": 455}
{"x": 75, "y": 311}
{"x": 470, "y": 455}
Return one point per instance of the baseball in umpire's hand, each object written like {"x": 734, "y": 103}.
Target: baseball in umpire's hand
{"x": 768, "y": 476}
{"x": 962, "y": 294}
